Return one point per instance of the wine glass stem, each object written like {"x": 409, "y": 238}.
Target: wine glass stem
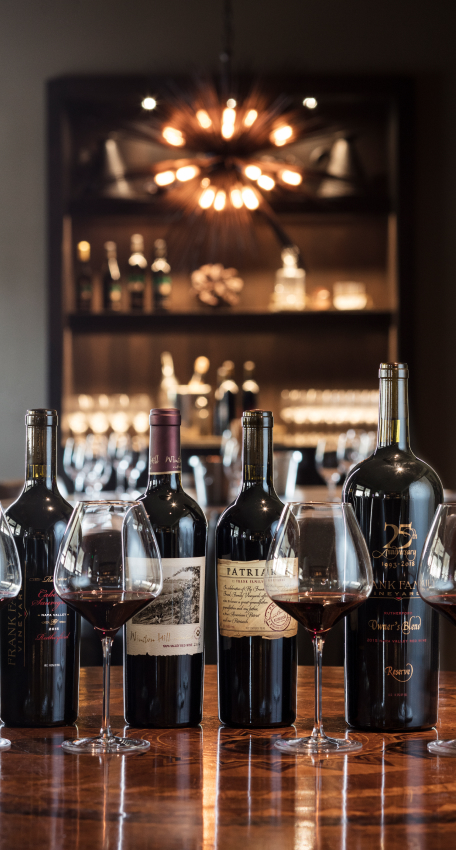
{"x": 318, "y": 643}
{"x": 105, "y": 731}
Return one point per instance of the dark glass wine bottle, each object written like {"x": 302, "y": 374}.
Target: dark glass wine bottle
{"x": 137, "y": 273}
{"x": 39, "y": 643}
{"x": 84, "y": 279}
{"x": 112, "y": 283}
{"x": 161, "y": 277}
{"x": 225, "y": 398}
{"x": 256, "y": 664}
{"x": 392, "y": 648}
{"x": 250, "y": 388}
{"x": 164, "y": 643}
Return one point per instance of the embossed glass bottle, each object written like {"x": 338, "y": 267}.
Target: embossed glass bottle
{"x": 392, "y": 650}
{"x": 39, "y": 641}
{"x": 256, "y": 646}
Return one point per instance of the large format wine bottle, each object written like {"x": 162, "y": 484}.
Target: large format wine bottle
{"x": 39, "y": 641}
{"x": 257, "y": 642}
{"x": 164, "y": 643}
{"x": 392, "y": 652}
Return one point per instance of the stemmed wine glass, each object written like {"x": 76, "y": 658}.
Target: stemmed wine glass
{"x": 318, "y": 569}
{"x": 10, "y": 578}
{"x": 108, "y": 568}
{"x": 437, "y": 582}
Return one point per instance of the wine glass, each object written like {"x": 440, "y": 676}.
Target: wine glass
{"x": 317, "y": 570}
{"x": 108, "y": 568}
{"x": 326, "y": 462}
{"x": 10, "y": 578}
{"x": 437, "y": 582}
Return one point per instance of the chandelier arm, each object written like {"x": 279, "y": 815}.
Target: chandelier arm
{"x": 284, "y": 239}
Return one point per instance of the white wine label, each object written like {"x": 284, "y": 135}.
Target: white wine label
{"x": 173, "y": 624}
{"x": 244, "y": 608}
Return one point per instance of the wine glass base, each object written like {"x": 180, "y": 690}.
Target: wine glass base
{"x": 313, "y": 746}
{"x": 4, "y": 744}
{"x": 443, "y": 748}
{"x": 99, "y": 746}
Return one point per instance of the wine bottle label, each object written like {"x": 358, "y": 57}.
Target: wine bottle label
{"x": 37, "y": 614}
{"x": 173, "y": 624}
{"x": 245, "y": 609}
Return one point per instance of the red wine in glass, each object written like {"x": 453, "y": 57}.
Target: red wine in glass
{"x": 318, "y": 612}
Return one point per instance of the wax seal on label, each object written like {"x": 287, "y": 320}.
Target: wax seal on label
{"x": 276, "y": 619}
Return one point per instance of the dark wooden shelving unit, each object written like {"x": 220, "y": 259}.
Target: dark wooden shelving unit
{"x": 322, "y": 349}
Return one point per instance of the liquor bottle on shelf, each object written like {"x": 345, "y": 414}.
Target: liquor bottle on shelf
{"x": 392, "y": 650}
{"x": 225, "y": 398}
{"x": 250, "y": 388}
{"x": 84, "y": 279}
{"x": 137, "y": 273}
{"x": 200, "y": 369}
{"x": 164, "y": 658}
{"x": 112, "y": 285}
{"x": 39, "y": 634}
{"x": 167, "y": 393}
{"x": 257, "y": 653}
{"x": 161, "y": 277}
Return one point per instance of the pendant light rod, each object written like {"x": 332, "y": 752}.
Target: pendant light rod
{"x": 227, "y": 49}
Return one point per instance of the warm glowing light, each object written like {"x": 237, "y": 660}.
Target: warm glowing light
{"x": 293, "y": 178}
{"x": 266, "y": 182}
{"x": 231, "y": 103}
{"x": 250, "y": 199}
{"x": 310, "y": 102}
{"x": 229, "y": 116}
{"x": 205, "y": 182}
{"x": 99, "y": 422}
{"x": 228, "y": 122}
{"x": 220, "y": 200}
{"x": 141, "y": 423}
{"x": 149, "y": 103}
{"x": 236, "y": 199}
{"x": 187, "y": 172}
{"x": 164, "y": 178}
{"x": 252, "y": 172}
{"x": 203, "y": 119}
{"x": 207, "y": 198}
{"x": 281, "y": 135}
{"x": 250, "y": 118}
{"x": 173, "y": 136}
{"x": 84, "y": 251}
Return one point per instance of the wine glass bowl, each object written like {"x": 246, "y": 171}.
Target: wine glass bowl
{"x": 318, "y": 569}
{"x": 108, "y": 569}
{"x": 437, "y": 582}
{"x": 10, "y": 578}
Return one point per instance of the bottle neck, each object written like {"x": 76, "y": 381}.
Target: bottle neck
{"x": 41, "y": 456}
{"x": 257, "y": 469}
{"x": 393, "y": 420}
{"x": 165, "y": 463}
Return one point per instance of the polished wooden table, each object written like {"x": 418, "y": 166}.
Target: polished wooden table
{"x": 214, "y": 787}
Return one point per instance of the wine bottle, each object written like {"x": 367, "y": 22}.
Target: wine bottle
{"x": 250, "y": 388}
{"x": 161, "y": 277}
{"x": 39, "y": 644}
{"x": 137, "y": 273}
{"x": 392, "y": 650}
{"x": 225, "y": 398}
{"x": 256, "y": 663}
{"x": 112, "y": 285}
{"x": 164, "y": 658}
{"x": 84, "y": 279}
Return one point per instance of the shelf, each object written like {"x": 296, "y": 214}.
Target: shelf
{"x": 217, "y": 322}
{"x": 158, "y": 209}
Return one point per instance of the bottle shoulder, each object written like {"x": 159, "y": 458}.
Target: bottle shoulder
{"x": 391, "y": 470}
{"x": 167, "y": 506}
{"x": 38, "y": 508}
{"x": 254, "y": 510}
